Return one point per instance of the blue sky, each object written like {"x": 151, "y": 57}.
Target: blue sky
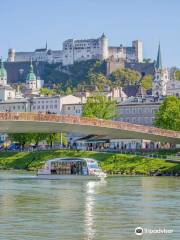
{"x": 26, "y": 25}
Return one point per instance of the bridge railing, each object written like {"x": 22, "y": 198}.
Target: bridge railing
{"x": 43, "y": 117}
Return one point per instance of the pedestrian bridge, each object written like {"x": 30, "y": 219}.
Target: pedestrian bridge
{"x": 41, "y": 122}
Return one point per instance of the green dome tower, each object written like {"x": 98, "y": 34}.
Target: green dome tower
{"x": 3, "y": 74}
{"x": 31, "y": 80}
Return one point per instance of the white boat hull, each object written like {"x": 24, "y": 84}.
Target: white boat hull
{"x": 74, "y": 177}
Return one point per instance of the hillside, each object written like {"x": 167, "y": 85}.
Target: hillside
{"x": 84, "y": 74}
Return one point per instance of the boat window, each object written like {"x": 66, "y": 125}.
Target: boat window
{"x": 67, "y": 168}
{"x": 93, "y": 165}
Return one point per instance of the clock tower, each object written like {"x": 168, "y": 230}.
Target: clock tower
{"x": 160, "y": 77}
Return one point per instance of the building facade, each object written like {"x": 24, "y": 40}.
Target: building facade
{"x": 173, "y": 88}
{"x": 138, "y": 112}
{"x": 40, "y": 55}
{"x": 79, "y": 50}
{"x": 53, "y": 104}
{"x": 74, "y": 109}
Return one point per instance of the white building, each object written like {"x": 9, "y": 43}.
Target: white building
{"x": 6, "y": 91}
{"x": 74, "y": 109}
{"x": 138, "y": 112}
{"x": 41, "y": 55}
{"x": 173, "y": 88}
{"x": 79, "y": 50}
{"x": 15, "y": 105}
{"x": 52, "y": 104}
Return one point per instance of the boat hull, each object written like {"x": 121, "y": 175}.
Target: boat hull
{"x": 74, "y": 177}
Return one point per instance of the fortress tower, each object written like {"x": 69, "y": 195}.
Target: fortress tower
{"x": 11, "y": 55}
{"x": 104, "y": 47}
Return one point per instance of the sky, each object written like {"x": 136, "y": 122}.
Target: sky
{"x": 27, "y": 25}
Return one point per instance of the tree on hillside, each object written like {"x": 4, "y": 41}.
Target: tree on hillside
{"x": 122, "y": 77}
{"x": 100, "y": 107}
{"x": 68, "y": 91}
{"x": 168, "y": 116}
{"x": 147, "y": 82}
{"x": 99, "y": 80}
{"x": 177, "y": 74}
{"x": 47, "y": 91}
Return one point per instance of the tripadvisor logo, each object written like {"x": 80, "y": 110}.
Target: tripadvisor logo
{"x": 139, "y": 231}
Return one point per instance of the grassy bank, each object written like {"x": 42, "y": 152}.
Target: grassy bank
{"x": 112, "y": 163}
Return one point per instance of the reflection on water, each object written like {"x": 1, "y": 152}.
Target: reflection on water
{"x": 91, "y": 188}
{"x": 32, "y": 209}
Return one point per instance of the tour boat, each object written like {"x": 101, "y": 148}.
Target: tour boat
{"x": 64, "y": 168}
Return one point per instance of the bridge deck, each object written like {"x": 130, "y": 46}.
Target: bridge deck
{"x": 40, "y": 122}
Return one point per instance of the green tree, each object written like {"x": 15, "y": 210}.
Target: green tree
{"x": 177, "y": 74}
{"x": 68, "y": 91}
{"x": 147, "y": 81}
{"x": 168, "y": 116}
{"x": 122, "y": 77}
{"x": 52, "y": 138}
{"x": 37, "y": 137}
{"x": 100, "y": 107}
{"x": 21, "y": 138}
{"x": 99, "y": 80}
{"x": 47, "y": 91}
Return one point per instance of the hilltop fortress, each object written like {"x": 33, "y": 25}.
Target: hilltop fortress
{"x": 80, "y": 50}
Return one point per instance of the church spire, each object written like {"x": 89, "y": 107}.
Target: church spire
{"x": 159, "y": 59}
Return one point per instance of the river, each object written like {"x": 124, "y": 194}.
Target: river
{"x": 32, "y": 209}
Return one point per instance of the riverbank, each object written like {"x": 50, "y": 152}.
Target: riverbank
{"x": 112, "y": 163}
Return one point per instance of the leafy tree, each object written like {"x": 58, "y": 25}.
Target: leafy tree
{"x": 177, "y": 75}
{"x": 100, "y": 107}
{"x": 28, "y": 138}
{"x": 37, "y": 137}
{"x": 47, "y": 91}
{"x": 168, "y": 116}
{"x": 99, "y": 80}
{"x": 122, "y": 77}
{"x": 21, "y": 138}
{"x": 56, "y": 137}
{"x": 147, "y": 81}
{"x": 68, "y": 91}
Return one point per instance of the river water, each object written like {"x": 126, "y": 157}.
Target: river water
{"x": 73, "y": 209}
